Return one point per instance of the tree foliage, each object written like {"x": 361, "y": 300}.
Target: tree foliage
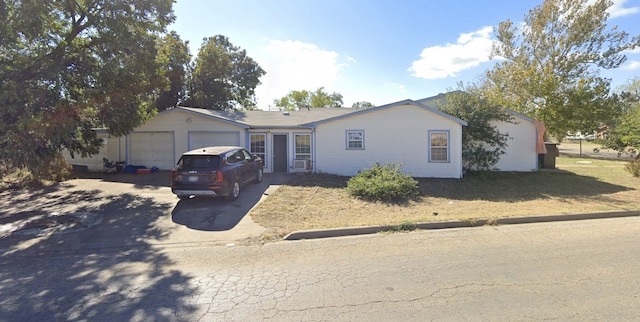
{"x": 624, "y": 132}
{"x": 551, "y": 65}
{"x": 482, "y": 142}
{"x": 223, "y": 76}
{"x": 69, "y": 66}
{"x": 362, "y": 105}
{"x": 297, "y": 100}
{"x": 173, "y": 61}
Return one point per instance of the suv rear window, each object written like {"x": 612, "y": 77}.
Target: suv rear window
{"x": 211, "y": 162}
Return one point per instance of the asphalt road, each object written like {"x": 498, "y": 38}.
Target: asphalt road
{"x": 588, "y": 150}
{"x": 583, "y": 270}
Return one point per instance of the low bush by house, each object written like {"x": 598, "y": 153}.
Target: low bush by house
{"x": 383, "y": 183}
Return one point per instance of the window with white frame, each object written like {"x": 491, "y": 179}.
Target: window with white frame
{"x": 355, "y": 140}
{"x": 303, "y": 146}
{"x": 258, "y": 145}
{"x": 438, "y": 146}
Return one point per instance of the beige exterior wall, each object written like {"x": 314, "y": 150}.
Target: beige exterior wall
{"x": 113, "y": 149}
{"x": 398, "y": 134}
{"x": 182, "y": 122}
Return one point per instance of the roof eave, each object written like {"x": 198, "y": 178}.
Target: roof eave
{"x": 281, "y": 127}
{"x": 403, "y": 102}
{"x": 191, "y": 110}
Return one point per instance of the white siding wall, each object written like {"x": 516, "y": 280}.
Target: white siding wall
{"x": 521, "y": 150}
{"x": 112, "y": 150}
{"x": 291, "y": 148}
{"x": 392, "y": 135}
{"x": 117, "y": 149}
{"x": 182, "y": 123}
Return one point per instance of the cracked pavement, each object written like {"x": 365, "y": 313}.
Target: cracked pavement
{"x": 584, "y": 270}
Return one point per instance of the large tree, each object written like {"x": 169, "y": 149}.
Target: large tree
{"x": 173, "y": 61}
{"x": 362, "y": 105}
{"x": 551, "y": 64}
{"x": 223, "y": 76}
{"x": 624, "y": 132}
{"x": 297, "y": 100}
{"x": 69, "y": 66}
{"x": 320, "y": 98}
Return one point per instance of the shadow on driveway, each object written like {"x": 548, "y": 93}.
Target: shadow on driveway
{"x": 113, "y": 270}
{"x": 108, "y": 272}
{"x": 152, "y": 181}
{"x": 218, "y": 214}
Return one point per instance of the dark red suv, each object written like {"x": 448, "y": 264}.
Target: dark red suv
{"x": 215, "y": 171}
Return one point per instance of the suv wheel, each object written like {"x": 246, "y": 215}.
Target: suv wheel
{"x": 235, "y": 191}
{"x": 259, "y": 176}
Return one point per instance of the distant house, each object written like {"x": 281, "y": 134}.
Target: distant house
{"x": 425, "y": 141}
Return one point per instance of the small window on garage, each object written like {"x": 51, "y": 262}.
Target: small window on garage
{"x": 355, "y": 139}
{"x": 438, "y": 146}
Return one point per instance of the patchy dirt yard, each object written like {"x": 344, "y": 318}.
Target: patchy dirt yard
{"x": 576, "y": 186}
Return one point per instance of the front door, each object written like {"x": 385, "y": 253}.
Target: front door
{"x": 280, "y": 153}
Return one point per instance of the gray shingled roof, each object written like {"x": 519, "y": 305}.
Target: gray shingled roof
{"x": 439, "y": 100}
{"x": 306, "y": 118}
{"x": 273, "y": 119}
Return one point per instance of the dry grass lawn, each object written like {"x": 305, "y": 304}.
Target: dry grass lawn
{"x": 577, "y": 185}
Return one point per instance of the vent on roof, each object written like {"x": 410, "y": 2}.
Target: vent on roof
{"x": 285, "y": 113}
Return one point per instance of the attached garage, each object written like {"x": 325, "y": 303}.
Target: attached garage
{"x": 200, "y": 139}
{"x": 152, "y": 149}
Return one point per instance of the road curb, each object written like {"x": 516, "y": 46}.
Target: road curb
{"x": 354, "y": 231}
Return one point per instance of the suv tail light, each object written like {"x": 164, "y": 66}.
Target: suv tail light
{"x": 172, "y": 175}
{"x": 216, "y": 176}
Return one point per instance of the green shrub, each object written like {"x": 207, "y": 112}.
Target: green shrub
{"x": 383, "y": 183}
{"x": 633, "y": 167}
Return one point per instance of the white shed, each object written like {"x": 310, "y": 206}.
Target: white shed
{"x": 520, "y": 153}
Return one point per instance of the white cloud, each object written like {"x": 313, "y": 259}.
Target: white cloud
{"x": 618, "y": 9}
{"x": 631, "y": 65}
{"x": 351, "y": 59}
{"x": 294, "y": 65}
{"x": 470, "y": 50}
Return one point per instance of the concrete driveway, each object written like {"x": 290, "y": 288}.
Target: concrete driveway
{"x": 124, "y": 210}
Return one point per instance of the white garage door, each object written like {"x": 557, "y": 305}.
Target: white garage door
{"x": 152, "y": 149}
{"x": 213, "y": 138}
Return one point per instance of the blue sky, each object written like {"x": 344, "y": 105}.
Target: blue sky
{"x": 376, "y": 51}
